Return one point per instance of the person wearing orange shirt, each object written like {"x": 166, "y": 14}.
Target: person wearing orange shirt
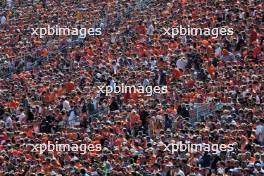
{"x": 69, "y": 86}
{"x": 211, "y": 71}
{"x": 134, "y": 118}
{"x": 142, "y": 28}
{"x": 44, "y": 53}
{"x": 176, "y": 73}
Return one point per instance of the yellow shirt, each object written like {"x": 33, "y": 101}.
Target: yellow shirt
{"x": 78, "y": 16}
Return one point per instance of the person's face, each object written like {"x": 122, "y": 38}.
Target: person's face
{"x": 247, "y": 155}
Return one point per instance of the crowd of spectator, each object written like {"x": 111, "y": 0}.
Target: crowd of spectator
{"x": 49, "y": 87}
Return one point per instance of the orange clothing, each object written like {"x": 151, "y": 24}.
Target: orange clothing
{"x": 29, "y": 133}
{"x": 256, "y": 51}
{"x": 70, "y": 86}
{"x": 176, "y": 73}
{"x": 183, "y": 1}
{"x": 44, "y": 53}
{"x": 133, "y": 119}
{"x": 12, "y": 104}
{"x": 172, "y": 45}
{"x": 49, "y": 97}
{"x": 211, "y": 71}
{"x": 90, "y": 52}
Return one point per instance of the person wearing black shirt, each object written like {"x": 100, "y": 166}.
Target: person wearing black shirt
{"x": 45, "y": 127}
{"x": 143, "y": 117}
{"x": 206, "y": 160}
{"x": 215, "y": 160}
{"x": 30, "y": 115}
{"x": 114, "y": 105}
{"x": 182, "y": 110}
{"x": 2, "y": 110}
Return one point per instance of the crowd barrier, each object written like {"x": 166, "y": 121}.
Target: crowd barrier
{"x": 199, "y": 111}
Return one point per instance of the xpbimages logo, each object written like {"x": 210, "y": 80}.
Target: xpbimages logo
{"x": 56, "y": 30}
{"x": 191, "y": 31}
{"x": 189, "y": 147}
{"x": 82, "y": 148}
{"x": 148, "y": 90}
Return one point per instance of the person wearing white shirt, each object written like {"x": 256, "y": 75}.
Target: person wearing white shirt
{"x": 72, "y": 118}
{"x": 150, "y": 30}
{"x": 21, "y": 116}
{"x": 177, "y": 171}
{"x": 145, "y": 83}
{"x": 8, "y": 122}
{"x": 112, "y": 83}
{"x": 9, "y": 3}
{"x": 260, "y": 132}
{"x": 3, "y": 20}
{"x": 181, "y": 63}
{"x": 218, "y": 50}
{"x": 66, "y": 105}
{"x": 115, "y": 67}
{"x": 153, "y": 64}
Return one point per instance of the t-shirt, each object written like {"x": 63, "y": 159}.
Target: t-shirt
{"x": 21, "y": 117}
{"x": 3, "y": 20}
{"x": 181, "y": 64}
{"x": 133, "y": 119}
{"x": 176, "y": 73}
{"x": 69, "y": 86}
{"x": 44, "y": 53}
{"x": 260, "y": 132}
{"x": 253, "y": 36}
{"x": 9, "y": 122}
{"x": 66, "y": 105}
{"x": 9, "y": 3}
